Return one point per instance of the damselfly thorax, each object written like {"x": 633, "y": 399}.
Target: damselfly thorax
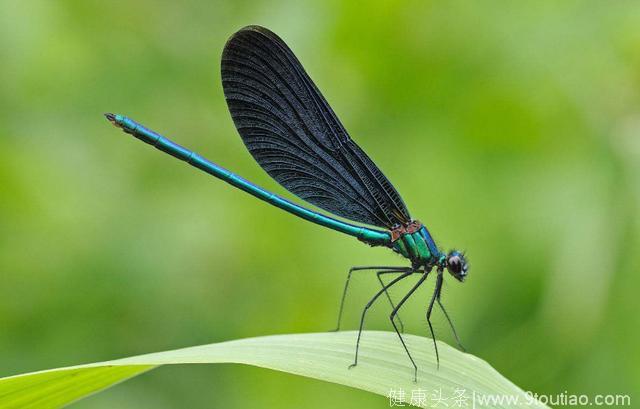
{"x": 414, "y": 242}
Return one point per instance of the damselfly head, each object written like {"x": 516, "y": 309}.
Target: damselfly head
{"x": 457, "y": 265}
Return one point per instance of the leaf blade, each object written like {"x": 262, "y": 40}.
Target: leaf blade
{"x": 382, "y": 367}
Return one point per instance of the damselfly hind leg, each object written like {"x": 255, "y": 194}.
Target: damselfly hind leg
{"x": 369, "y": 304}
{"x": 380, "y": 271}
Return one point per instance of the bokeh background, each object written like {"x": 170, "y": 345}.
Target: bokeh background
{"x": 512, "y": 130}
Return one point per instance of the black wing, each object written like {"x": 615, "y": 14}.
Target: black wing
{"x": 293, "y": 133}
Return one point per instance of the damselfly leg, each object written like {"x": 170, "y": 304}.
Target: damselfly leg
{"x": 381, "y": 270}
{"x": 395, "y": 312}
{"x": 369, "y": 304}
{"x": 453, "y": 329}
{"x": 430, "y": 309}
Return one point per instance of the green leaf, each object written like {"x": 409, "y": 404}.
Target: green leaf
{"x": 383, "y": 368}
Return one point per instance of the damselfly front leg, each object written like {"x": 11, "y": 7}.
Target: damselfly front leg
{"x": 453, "y": 329}
{"x": 429, "y": 310}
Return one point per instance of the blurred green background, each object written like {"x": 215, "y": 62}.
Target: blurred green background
{"x": 511, "y": 130}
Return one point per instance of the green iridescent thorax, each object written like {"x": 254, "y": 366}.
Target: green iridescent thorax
{"x": 417, "y": 246}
